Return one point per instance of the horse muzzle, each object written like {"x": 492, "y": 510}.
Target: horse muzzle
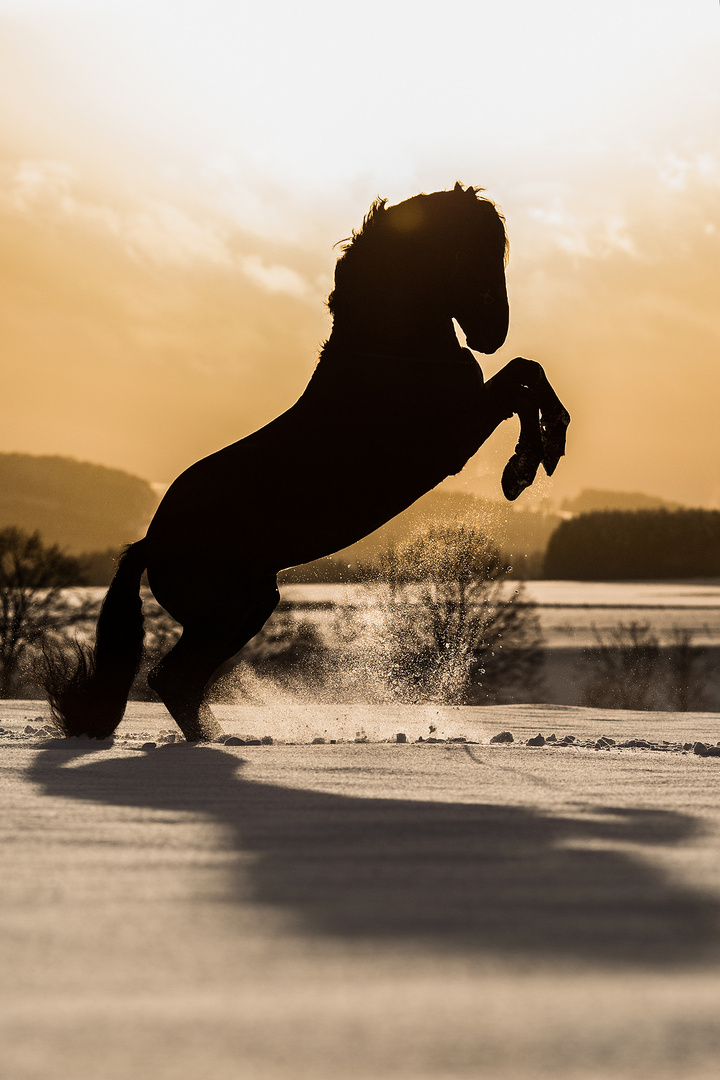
{"x": 486, "y": 326}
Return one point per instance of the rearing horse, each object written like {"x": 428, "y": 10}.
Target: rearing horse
{"x": 394, "y": 406}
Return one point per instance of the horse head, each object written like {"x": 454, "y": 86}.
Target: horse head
{"x": 474, "y": 282}
{"x": 431, "y": 258}
{"x": 476, "y": 289}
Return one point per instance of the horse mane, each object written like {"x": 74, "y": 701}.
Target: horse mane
{"x": 443, "y": 216}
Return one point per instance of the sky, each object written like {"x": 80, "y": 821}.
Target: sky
{"x": 174, "y": 177}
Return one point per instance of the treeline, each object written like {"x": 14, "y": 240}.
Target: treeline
{"x": 614, "y": 545}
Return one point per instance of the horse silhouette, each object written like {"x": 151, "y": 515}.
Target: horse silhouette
{"x": 394, "y": 406}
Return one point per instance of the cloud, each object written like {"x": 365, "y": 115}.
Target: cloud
{"x": 275, "y": 279}
{"x": 52, "y": 189}
{"x": 588, "y": 236}
{"x": 152, "y": 229}
{"x": 642, "y": 209}
{"x": 676, "y": 173}
{"x": 38, "y": 183}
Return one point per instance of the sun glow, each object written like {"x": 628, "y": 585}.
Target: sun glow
{"x": 320, "y": 94}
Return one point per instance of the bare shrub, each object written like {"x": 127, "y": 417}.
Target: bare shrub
{"x": 449, "y": 629}
{"x": 688, "y": 672}
{"x": 623, "y": 667}
{"x": 629, "y": 669}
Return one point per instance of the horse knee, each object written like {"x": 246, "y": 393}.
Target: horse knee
{"x": 528, "y": 372}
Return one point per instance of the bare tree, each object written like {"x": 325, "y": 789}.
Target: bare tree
{"x": 452, "y": 630}
{"x": 33, "y": 605}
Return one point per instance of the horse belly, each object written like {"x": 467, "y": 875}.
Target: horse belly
{"x": 321, "y": 476}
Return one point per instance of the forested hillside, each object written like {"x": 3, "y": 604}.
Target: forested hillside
{"x": 82, "y": 507}
{"x": 635, "y": 545}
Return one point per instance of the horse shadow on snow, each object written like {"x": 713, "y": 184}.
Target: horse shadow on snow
{"x": 471, "y": 878}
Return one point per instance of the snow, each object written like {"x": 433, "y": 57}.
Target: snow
{"x": 404, "y": 911}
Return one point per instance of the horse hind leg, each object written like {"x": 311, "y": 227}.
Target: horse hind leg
{"x": 183, "y": 676}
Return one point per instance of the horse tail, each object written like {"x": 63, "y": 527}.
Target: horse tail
{"x": 88, "y": 691}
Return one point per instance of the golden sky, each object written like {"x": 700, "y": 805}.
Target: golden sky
{"x": 173, "y": 176}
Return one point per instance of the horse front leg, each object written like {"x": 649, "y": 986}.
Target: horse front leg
{"x": 522, "y": 387}
{"x": 554, "y": 417}
{"x": 521, "y": 469}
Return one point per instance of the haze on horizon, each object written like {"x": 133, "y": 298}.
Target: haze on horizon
{"x": 173, "y": 177}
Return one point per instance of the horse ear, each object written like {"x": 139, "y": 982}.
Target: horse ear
{"x": 458, "y": 186}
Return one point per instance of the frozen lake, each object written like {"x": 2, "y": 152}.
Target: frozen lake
{"x": 570, "y": 610}
{"x": 618, "y": 594}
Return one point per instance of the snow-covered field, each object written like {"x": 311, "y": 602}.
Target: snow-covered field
{"x": 409, "y": 911}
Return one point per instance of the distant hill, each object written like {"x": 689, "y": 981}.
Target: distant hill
{"x": 591, "y": 499}
{"x": 522, "y": 535}
{"x": 82, "y": 507}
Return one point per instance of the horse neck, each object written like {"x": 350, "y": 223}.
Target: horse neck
{"x": 429, "y": 338}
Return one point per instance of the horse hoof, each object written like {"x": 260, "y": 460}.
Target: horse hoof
{"x": 519, "y": 474}
{"x": 553, "y": 450}
{"x": 550, "y": 463}
{"x": 553, "y": 436}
